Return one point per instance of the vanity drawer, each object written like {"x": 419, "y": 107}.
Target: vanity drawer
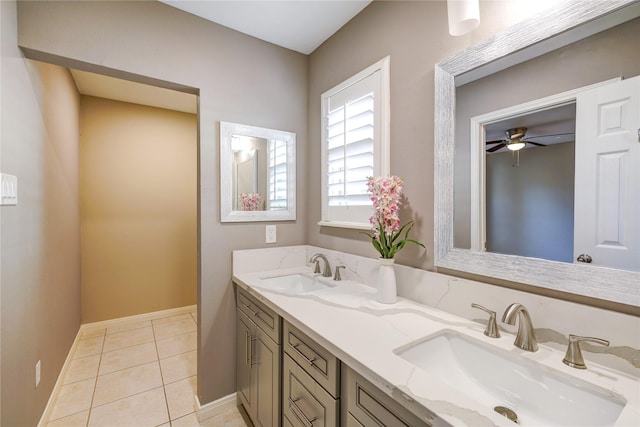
{"x": 263, "y": 316}
{"x": 304, "y": 402}
{"x": 313, "y": 358}
{"x": 367, "y": 406}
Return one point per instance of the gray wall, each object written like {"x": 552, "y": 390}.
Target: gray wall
{"x": 239, "y": 78}
{"x": 612, "y": 53}
{"x": 415, "y": 35}
{"x": 40, "y": 241}
{"x": 530, "y": 207}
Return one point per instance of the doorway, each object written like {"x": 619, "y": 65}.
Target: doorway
{"x": 138, "y": 190}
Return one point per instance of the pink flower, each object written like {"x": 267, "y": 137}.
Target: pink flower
{"x": 385, "y": 221}
{"x": 250, "y": 201}
{"x": 385, "y": 195}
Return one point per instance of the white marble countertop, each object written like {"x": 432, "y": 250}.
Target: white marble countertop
{"x": 363, "y": 333}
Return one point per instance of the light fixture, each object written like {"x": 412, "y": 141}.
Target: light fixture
{"x": 515, "y": 139}
{"x": 464, "y": 16}
{"x": 515, "y": 145}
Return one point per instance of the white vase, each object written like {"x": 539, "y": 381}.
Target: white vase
{"x": 387, "y": 292}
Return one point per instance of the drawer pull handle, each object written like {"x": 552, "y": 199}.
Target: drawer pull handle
{"x": 247, "y": 349}
{"x": 308, "y": 360}
{"x": 299, "y": 414}
{"x": 248, "y": 307}
{"x": 248, "y": 343}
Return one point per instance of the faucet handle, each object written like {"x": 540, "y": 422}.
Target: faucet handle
{"x": 491, "y": 330}
{"x": 316, "y": 270}
{"x": 336, "y": 276}
{"x": 573, "y": 357}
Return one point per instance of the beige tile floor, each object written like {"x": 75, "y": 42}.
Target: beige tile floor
{"x": 135, "y": 374}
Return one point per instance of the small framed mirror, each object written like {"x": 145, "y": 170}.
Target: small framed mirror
{"x": 257, "y": 174}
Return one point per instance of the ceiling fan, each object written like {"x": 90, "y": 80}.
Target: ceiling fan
{"x": 516, "y": 140}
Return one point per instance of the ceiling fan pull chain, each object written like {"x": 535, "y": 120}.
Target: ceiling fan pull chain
{"x": 515, "y": 158}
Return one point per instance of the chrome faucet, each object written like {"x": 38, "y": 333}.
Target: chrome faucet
{"x": 491, "y": 330}
{"x": 526, "y": 337}
{"x": 573, "y": 357}
{"x": 327, "y": 268}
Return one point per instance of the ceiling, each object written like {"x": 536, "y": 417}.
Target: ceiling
{"x": 136, "y": 93}
{"x": 299, "y": 25}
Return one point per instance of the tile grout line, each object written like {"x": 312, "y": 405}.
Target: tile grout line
{"x": 164, "y": 389}
{"x": 95, "y": 385}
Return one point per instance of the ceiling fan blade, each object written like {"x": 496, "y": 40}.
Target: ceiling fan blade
{"x": 535, "y": 143}
{"x": 496, "y": 148}
{"x": 553, "y": 134}
{"x": 497, "y": 141}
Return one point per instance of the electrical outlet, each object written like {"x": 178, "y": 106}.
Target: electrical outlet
{"x": 38, "y": 374}
{"x": 270, "y": 234}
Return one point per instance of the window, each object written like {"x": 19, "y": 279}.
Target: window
{"x": 355, "y": 145}
{"x": 277, "y": 175}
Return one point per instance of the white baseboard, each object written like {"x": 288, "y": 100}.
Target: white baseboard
{"x": 139, "y": 318}
{"x": 215, "y": 408}
{"x": 44, "y": 419}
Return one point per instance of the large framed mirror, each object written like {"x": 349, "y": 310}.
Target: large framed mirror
{"x": 257, "y": 173}
{"x": 512, "y": 51}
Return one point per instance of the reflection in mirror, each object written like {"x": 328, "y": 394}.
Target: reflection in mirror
{"x": 257, "y": 168}
{"x": 541, "y": 69}
{"x": 529, "y": 197}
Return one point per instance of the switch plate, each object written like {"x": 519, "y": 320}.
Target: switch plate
{"x": 9, "y": 190}
{"x": 38, "y": 365}
{"x": 270, "y": 234}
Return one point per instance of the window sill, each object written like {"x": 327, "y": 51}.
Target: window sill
{"x": 345, "y": 224}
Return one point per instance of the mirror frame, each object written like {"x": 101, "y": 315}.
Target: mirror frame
{"x": 563, "y": 24}
{"x": 227, "y": 214}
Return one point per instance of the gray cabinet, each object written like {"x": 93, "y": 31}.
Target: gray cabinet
{"x": 310, "y": 383}
{"x": 304, "y": 402}
{"x": 285, "y": 378}
{"x": 258, "y": 364}
{"x": 365, "y": 405}
{"x": 317, "y": 361}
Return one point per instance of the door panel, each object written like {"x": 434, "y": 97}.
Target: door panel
{"x": 607, "y": 193}
{"x": 267, "y": 368}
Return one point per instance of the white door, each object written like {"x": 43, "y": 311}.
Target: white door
{"x": 607, "y": 178}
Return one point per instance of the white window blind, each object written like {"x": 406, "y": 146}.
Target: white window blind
{"x": 277, "y": 175}
{"x": 354, "y": 145}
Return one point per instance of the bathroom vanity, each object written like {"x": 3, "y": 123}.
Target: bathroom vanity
{"x": 317, "y": 388}
{"x": 348, "y": 360}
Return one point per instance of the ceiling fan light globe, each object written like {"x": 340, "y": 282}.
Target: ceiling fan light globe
{"x": 515, "y": 146}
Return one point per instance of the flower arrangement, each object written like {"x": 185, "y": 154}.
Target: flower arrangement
{"x": 251, "y": 201}
{"x": 385, "y": 221}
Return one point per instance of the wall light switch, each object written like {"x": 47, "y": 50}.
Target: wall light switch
{"x": 9, "y": 190}
{"x": 271, "y": 234}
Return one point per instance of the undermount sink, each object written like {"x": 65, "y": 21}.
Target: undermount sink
{"x": 498, "y": 380}
{"x": 295, "y": 283}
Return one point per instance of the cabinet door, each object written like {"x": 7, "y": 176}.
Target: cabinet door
{"x": 350, "y": 421}
{"x": 266, "y": 364}
{"x": 244, "y": 349}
